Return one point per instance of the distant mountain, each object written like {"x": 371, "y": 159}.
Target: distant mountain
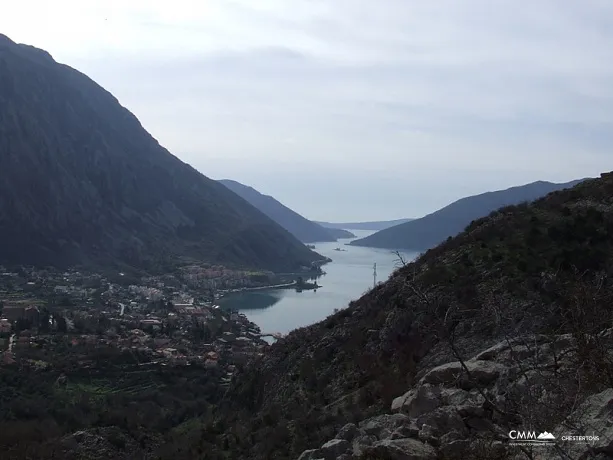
{"x": 376, "y": 226}
{"x": 84, "y": 183}
{"x": 339, "y": 233}
{"x": 302, "y": 228}
{"x": 428, "y": 231}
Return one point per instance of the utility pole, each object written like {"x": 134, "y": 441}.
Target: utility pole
{"x": 374, "y": 276}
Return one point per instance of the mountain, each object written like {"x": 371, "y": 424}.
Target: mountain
{"x": 428, "y": 231}
{"x": 302, "y": 228}
{"x": 375, "y": 226}
{"x": 339, "y": 233}
{"x": 532, "y": 281}
{"x": 84, "y": 183}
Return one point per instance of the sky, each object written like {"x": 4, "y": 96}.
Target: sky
{"x": 348, "y": 110}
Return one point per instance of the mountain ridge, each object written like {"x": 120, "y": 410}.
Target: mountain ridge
{"x": 302, "y": 228}
{"x": 432, "y": 229}
{"x": 371, "y": 225}
{"x": 85, "y": 183}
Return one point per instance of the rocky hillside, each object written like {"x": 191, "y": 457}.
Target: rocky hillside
{"x": 464, "y": 409}
{"x": 534, "y": 278}
{"x": 428, "y": 231}
{"x": 84, "y": 183}
{"x": 302, "y": 228}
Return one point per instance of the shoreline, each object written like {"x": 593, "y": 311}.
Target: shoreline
{"x": 308, "y": 287}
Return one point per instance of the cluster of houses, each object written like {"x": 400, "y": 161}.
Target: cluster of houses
{"x": 165, "y": 318}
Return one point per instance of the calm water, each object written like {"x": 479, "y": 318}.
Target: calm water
{"x": 348, "y": 277}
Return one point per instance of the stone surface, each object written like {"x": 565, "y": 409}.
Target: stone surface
{"x": 403, "y": 449}
{"x": 425, "y": 399}
{"x": 482, "y": 372}
{"x": 593, "y": 417}
{"x": 311, "y": 454}
{"x": 348, "y": 432}
{"x": 448, "y": 415}
{"x": 443, "y": 420}
{"x": 334, "y": 448}
{"x": 362, "y": 442}
{"x": 376, "y": 425}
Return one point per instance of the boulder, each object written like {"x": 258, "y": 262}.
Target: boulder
{"x": 481, "y": 372}
{"x": 455, "y": 449}
{"x": 383, "y": 425}
{"x": 402, "y": 449}
{"x": 428, "y": 434}
{"x": 405, "y": 431}
{"x": 398, "y": 403}
{"x": 426, "y": 399}
{"x": 362, "y": 442}
{"x": 443, "y": 420}
{"x": 334, "y": 448}
{"x": 311, "y": 454}
{"x": 348, "y": 432}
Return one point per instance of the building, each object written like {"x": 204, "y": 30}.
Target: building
{"x": 13, "y": 312}
{"x": 5, "y": 326}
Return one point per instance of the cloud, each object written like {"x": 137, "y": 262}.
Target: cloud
{"x": 452, "y": 97}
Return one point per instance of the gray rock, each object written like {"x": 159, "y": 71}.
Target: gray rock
{"x": 402, "y": 449}
{"x": 398, "y": 403}
{"x": 455, "y": 396}
{"x": 362, "y": 442}
{"x": 348, "y": 432}
{"x": 483, "y": 372}
{"x": 479, "y": 424}
{"x": 311, "y": 454}
{"x": 428, "y": 434}
{"x": 492, "y": 352}
{"x": 452, "y": 436}
{"x": 593, "y": 417}
{"x": 425, "y": 399}
{"x": 344, "y": 457}
{"x": 455, "y": 449}
{"x": 388, "y": 423}
{"x": 334, "y": 448}
{"x": 443, "y": 420}
{"x": 405, "y": 431}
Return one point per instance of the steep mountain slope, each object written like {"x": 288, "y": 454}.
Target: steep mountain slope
{"x": 428, "y": 231}
{"x": 374, "y": 226}
{"x": 302, "y": 228}
{"x": 83, "y": 183}
{"x": 540, "y": 268}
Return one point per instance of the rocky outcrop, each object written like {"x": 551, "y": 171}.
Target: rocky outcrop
{"x": 467, "y": 409}
{"x": 106, "y": 442}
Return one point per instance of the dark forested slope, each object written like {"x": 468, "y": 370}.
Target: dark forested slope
{"x": 543, "y": 267}
{"x": 84, "y": 183}
{"x": 430, "y": 230}
{"x": 302, "y": 228}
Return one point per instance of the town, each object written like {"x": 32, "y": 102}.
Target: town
{"x": 170, "y": 320}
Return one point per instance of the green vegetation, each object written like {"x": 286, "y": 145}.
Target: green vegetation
{"x": 37, "y": 406}
{"x": 428, "y": 231}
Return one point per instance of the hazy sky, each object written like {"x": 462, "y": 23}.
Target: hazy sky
{"x": 352, "y": 109}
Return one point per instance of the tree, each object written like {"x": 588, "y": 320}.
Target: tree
{"x": 60, "y": 321}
